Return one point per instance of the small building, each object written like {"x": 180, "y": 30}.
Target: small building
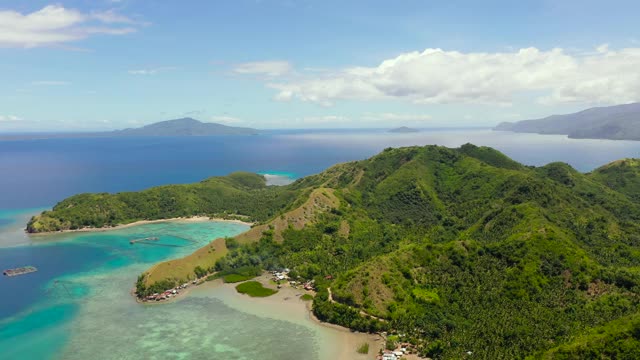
{"x": 389, "y": 356}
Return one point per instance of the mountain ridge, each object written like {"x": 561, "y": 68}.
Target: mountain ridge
{"x": 619, "y": 122}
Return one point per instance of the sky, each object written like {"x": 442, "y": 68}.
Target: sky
{"x": 83, "y": 65}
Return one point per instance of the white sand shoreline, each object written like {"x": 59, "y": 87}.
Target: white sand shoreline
{"x": 143, "y": 222}
{"x": 335, "y": 342}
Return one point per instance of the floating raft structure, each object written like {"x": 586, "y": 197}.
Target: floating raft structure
{"x": 153, "y": 238}
{"x": 19, "y": 271}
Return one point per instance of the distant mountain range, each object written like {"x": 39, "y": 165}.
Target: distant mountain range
{"x": 404, "y": 129}
{"x": 183, "y": 127}
{"x": 620, "y": 122}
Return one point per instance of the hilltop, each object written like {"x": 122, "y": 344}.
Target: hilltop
{"x": 620, "y": 122}
{"x": 458, "y": 249}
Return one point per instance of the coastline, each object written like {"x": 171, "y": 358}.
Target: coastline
{"x": 334, "y": 341}
{"x": 141, "y": 222}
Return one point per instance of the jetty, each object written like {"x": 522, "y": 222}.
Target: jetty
{"x": 19, "y": 271}
{"x": 153, "y": 238}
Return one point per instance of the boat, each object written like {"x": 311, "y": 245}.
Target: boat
{"x": 19, "y": 271}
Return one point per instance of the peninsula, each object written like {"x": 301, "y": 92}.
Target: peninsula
{"x": 450, "y": 250}
{"x": 621, "y": 122}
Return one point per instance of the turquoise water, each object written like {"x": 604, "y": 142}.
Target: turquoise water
{"x": 78, "y": 305}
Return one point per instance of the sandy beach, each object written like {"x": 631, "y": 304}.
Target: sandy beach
{"x": 334, "y": 342}
{"x": 142, "y": 222}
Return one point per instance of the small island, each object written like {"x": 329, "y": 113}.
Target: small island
{"x": 404, "y": 129}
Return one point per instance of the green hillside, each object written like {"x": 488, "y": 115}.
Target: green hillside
{"x": 236, "y": 194}
{"x": 456, "y": 249}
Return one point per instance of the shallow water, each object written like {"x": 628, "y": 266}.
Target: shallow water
{"x": 111, "y": 326}
{"x": 81, "y": 308}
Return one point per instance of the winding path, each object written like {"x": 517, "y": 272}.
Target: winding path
{"x": 362, "y": 312}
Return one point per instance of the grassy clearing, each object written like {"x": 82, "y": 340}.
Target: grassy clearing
{"x": 306, "y": 297}
{"x": 182, "y": 269}
{"x": 363, "y": 349}
{"x": 254, "y": 289}
{"x": 235, "y": 278}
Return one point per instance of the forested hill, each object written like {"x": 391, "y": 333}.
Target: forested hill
{"x": 457, "y": 249}
{"x": 238, "y": 193}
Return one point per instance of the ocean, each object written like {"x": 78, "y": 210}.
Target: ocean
{"x": 78, "y": 304}
{"x": 38, "y": 173}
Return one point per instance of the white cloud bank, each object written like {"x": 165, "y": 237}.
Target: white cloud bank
{"x": 366, "y": 119}
{"x": 6, "y": 118}
{"x": 265, "y": 68}
{"x": 55, "y": 25}
{"x": 435, "y": 76}
{"x": 226, "y": 119}
{"x": 50, "y": 83}
{"x": 151, "y": 71}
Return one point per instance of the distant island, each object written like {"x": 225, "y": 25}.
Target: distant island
{"x": 177, "y": 127}
{"x": 184, "y": 127}
{"x": 620, "y": 122}
{"x": 404, "y": 129}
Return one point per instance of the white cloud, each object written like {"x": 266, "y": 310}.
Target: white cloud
{"x": 225, "y": 119}
{"x": 266, "y": 68}
{"x": 55, "y": 25}
{"x": 6, "y": 118}
{"x": 151, "y": 71}
{"x": 111, "y": 17}
{"x": 393, "y": 117}
{"x": 325, "y": 120}
{"x": 435, "y": 76}
{"x": 366, "y": 119}
{"x": 50, "y": 83}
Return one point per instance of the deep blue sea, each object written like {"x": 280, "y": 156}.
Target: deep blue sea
{"x": 83, "y": 280}
{"x": 36, "y": 173}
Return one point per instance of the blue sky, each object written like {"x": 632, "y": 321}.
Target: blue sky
{"x": 107, "y": 64}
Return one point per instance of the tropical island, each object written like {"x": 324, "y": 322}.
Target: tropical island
{"x": 404, "y": 129}
{"x": 451, "y": 250}
{"x": 620, "y": 122}
{"x": 176, "y": 127}
{"x": 183, "y": 127}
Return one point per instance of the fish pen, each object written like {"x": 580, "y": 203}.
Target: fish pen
{"x": 19, "y": 271}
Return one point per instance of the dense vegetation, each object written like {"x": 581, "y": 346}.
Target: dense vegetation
{"x": 467, "y": 250}
{"x": 228, "y": 196}
{"x": 234, "y": 275}
{"x": 254, "y": 289}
